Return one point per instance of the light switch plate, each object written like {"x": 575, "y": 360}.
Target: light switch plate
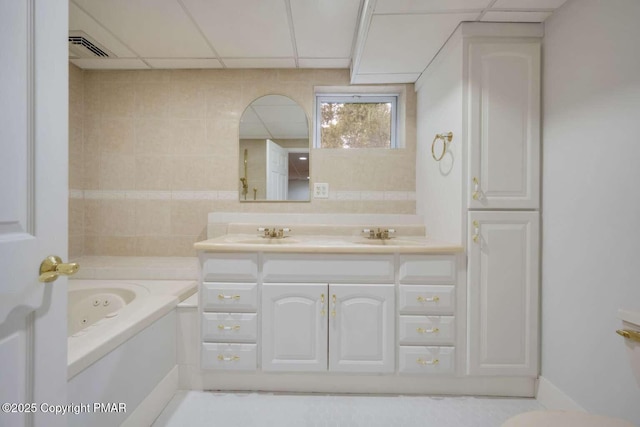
{"x": 320, "y": 190}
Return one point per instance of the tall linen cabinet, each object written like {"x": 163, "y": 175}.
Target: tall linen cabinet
{"x": 484, "y": 87}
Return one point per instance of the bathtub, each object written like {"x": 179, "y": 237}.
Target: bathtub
{"x": 102, "y": 314}
{"x": 121, "y": 343}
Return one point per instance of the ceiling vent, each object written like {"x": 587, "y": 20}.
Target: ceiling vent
{"x": 83, "y": 46}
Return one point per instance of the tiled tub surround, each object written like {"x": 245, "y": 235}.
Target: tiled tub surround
{"x": 153, "y": 152}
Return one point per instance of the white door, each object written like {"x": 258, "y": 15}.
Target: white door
{"x": 504, "y": 125}
{"x": 362, "y": 328}
{"x": 503, "y": 293}
{"x": 277, "y": 171}
{"x": 33, "y": 206}
{"x": 294, "y": 327}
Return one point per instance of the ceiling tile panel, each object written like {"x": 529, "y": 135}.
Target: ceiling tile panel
{"x": 152, "y": 28}
{"x": 528, "y": 4}
{"x": 324, "y": 28}
{"x": 78, "y": 20}
{"x": 409, "y": 6}
{"x": 183, "y": 63}
{"x": 244, "y": 29}
{"x": 515, "y": 16}
{"x": 324, "y": 62}
{"x": 259, "y": 62}
{"x": 406, "y": 43}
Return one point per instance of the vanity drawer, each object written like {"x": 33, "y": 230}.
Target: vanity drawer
{"x": 233, "y": 327}
{"x": 436, "y": 269}
{"x": 229, "y": 296}
{"x": 426, "y": 360}
{"x": 229, "y": 357}
{"x": 426, "y": 299}
{"x": 328, "y": 268}
{"x": 427, "y": 330}
{"x": 233, "y": 267}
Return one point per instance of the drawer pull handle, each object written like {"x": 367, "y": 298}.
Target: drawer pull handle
{"x": 421, "y": 361}
{"x": 322, "y": 310}
{"x": 427, "y": 331}
{"x": 428, "y": 299}
{"x": 222, "y": 296}
{"x": 229, "y": 328}
{"x": 333, "y": 302}
{"x": 228, "y": 358}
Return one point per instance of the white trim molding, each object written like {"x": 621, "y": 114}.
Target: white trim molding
{"x": 551, "y": 397}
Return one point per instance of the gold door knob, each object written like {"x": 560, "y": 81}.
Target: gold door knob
{"x": 52, "y": 267}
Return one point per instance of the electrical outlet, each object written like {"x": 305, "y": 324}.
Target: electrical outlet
{"x": 320, "y": 190}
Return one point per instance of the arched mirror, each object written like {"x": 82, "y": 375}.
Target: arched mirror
{"x": 274, "y": 151}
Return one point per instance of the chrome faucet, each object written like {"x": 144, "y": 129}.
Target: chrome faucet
{"x": 380, "y": 234}
{"x": 274, "y": 233}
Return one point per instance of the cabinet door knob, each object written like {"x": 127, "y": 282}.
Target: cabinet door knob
{"x": 228, "y": 358}
{"x": 229, "y": 328}
{"x": 423, "y": 362}
{"x": 322, "y": 309}
{"x": 223, "y": 296}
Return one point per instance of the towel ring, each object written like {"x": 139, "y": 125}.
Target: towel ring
{"x": 446, "y": 139}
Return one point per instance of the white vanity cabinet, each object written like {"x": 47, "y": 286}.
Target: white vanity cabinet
{"x": 309, "y": 327}
{"x": 228, "y": 311}
{"x": 504, "y": 124}
{"x": 503, "y": 293}
{"x": 427, "y": 321}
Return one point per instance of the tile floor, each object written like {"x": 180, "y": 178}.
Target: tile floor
{"x": 195, "y": 408}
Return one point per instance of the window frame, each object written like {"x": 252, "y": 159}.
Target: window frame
{"x": 357, "y": 98}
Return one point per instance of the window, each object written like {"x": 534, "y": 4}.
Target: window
{"x": 356, "y": 121}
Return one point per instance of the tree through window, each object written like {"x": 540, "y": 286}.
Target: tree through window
{"x": 355, "y": 121}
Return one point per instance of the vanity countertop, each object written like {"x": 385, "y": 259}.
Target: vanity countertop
{"x": 326, "y": 244}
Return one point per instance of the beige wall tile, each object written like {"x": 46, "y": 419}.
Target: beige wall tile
{"x": 152, "y": 100}
{"x": 193, "y": 173}
{"x": 76, "y": 217}
{"x": 92, "y": 217}
{"x": 153, "y": 217}
{"x": 190, "y": 137}
{"x": 118, "y": 218}
{"x": 155, "y": 136}
{"x": 92, "y": 245}
{"x": 189, "y": 217}
{"x": 118, "y": 246}
{"x": 117, "y": 99}
{"x": 187, "y": 101}
{"x": 164, "y": 130}
{"x": 76, "y": 246}
{"x": 117, "y": 172}
{"x": 117, "y": 136}
{"x": 153, "y": 172}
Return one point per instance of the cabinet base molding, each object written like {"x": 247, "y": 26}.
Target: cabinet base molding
{"x": 365, "y": 384}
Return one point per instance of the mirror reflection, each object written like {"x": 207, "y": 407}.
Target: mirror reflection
{"x": 274, "y": 151}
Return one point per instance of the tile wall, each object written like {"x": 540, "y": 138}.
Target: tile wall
{"x": 153, "y": 152}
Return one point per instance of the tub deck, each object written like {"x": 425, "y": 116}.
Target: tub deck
{"x": 107, "y": 334}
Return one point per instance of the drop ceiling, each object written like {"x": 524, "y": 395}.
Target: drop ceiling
{"x": 382, "y": 41}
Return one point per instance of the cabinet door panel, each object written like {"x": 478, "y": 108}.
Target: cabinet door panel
{"x": 361, "y": 336}
{"x": 504, "y": 125}
{"x": 503, "y": 293}
{"x": 294, "y": 327}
